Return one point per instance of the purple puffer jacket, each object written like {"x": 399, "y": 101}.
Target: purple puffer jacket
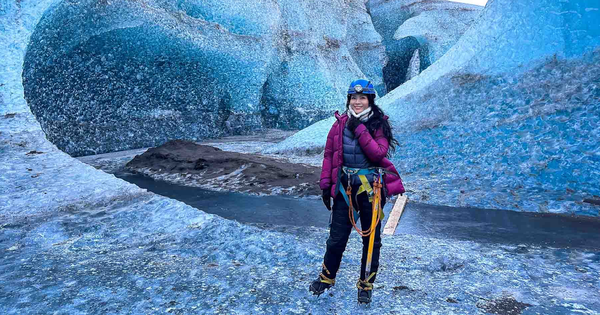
{"x": 375, "y": 148}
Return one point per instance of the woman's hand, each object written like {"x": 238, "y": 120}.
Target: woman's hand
{"x": 353, "y": 122}
{"x": 327, "y": 198}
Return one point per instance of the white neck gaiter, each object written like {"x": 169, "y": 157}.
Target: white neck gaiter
{"x": 363, "y": 116}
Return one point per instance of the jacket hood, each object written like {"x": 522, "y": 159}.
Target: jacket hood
{"x": 338, "y": 116}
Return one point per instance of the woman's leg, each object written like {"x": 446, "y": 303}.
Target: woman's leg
{"x": 338, "y": 237}
{"x": 365, "y": 219}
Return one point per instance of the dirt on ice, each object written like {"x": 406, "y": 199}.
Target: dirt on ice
{"x": 192, "y": 164}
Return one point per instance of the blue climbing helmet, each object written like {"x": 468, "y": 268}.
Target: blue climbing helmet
{"x": 361, "y": 86}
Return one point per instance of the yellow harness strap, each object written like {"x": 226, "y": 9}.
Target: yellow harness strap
{"x": 326, "y": 270}
{"x": 365, "y": 284}
{"x": 365, "y": 187}
{"x": 324, "y": 279}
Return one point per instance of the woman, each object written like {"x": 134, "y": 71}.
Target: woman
{"x": 358, "y": 143}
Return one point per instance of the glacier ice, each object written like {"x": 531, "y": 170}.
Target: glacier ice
{"x": 414, "y": 66}
{"x": 429, "y": 27}
{"x": 506, "y": 119}
{"x": 76, "y": 240}
{"x": 437, "y": 31}
{"x": 365, "y": 45}
{"x": 107, "y": 76}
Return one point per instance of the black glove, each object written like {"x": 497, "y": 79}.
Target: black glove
{"x": 327, "y": 198}
{"x": 353, "y": 122}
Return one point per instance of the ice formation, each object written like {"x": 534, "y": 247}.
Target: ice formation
{"x": 507, "y": 118}
{"x": 74, "y": 240}
{"x": 103, "y": 76}
{"x": 414, "y": 66}
{"x": 437, "y": 30}
{"x": 430, "y": 27}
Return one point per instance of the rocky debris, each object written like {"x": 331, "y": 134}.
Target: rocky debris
{"x": 592, "y": 201}
{"x": 208, "y": 167}
{"x": 402, "y": 287}
{"x": 503, "y": 306}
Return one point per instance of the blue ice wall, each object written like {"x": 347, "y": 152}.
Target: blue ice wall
{"x": 255, "y": 18}
{"x": 74, "y": 240}
{"x": 106, "y": 76}
{"x": 513, "y": 35}
{"x": 431, "y": 27}
{"x": 322, "y": 52}
{"x": 437, "y": 30}
{"x": 507, "y": 118}
{"x": 365, "y": 45}
{"x": 110, "y": 76}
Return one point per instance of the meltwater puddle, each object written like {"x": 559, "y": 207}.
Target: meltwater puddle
{"x": 285, "y": 213}
{"x": 247, "y": 209}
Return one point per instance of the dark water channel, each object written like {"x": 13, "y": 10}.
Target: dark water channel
{"x": 273, "y": 210}
{"x": 481, "y": 225}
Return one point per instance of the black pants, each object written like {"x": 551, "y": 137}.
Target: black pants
{"x": 340, "y": 230}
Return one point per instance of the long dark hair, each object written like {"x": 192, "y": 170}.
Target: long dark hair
{"x": 378, "y": 121}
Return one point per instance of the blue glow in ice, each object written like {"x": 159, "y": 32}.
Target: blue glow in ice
{"x": 76, "y": 240}
{"x": 429, "y": 27}
{"x": 507, "y": 117}
{"x": 97, "y": 73}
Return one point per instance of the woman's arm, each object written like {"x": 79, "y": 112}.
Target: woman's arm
{"x": 375, "y": 147}
{"x": 325, "y": 181}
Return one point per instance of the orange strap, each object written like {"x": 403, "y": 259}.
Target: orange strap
{"x": 376, "y": 207}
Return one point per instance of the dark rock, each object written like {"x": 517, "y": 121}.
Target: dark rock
{"x": 580, "y": 269}
{"x": 503, "y": 306}
{"x": 522, "y": 249}
{"x": 401, "y": 288}
{"x": 592, "y": 201}
{"x": 34, "y": 152}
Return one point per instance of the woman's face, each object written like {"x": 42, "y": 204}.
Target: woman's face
{"x": 359, "y": 102}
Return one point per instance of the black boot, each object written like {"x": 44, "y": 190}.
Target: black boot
{"x": 365, "y": 296}
{"x": 365, "y": 292}
{"x": 319, "y": 286}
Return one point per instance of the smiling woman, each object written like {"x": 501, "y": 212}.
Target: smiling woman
{"x": 354, "y": 161}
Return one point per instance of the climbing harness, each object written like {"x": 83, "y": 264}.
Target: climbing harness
{"x": 374, "y": 194}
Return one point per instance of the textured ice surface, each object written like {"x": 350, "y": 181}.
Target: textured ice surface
{"x": 437, "y": 30}
{"x": 414, "y": 66}
{"x": 142, "y": 258}
{"x": 430, "y": 27}
{"x": 105, "y": 76}
{"x": 389, "y": 16}
{"x": 507, "y": 118}
{"x": 305, "y": 141}
{"x": 76, "y": 240}
{"x": 365, "y": 45}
